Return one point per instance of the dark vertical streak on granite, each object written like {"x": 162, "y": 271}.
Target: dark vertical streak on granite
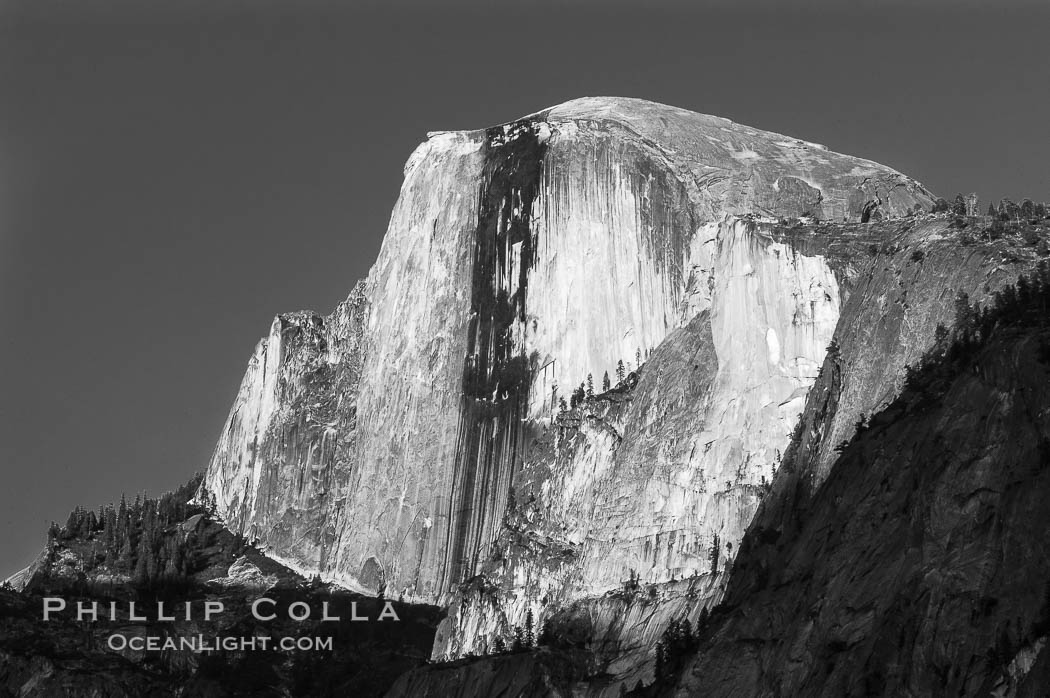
{"x": 496, "y": 372}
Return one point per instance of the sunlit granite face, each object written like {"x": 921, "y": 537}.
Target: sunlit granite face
{"x": 379, "y": 446}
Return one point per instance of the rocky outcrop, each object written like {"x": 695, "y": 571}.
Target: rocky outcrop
{"x": 243, "y": 575}
{"x": 285, "y": 448}
{"x": 379, "y": 446}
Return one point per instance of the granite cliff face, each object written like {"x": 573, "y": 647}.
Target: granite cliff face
{"x": 379, "y": 446}
{"x": 898, "y": 281}
{"x": 418, "y": 442}
{"x": 862, "y": 561}
{"x": 914, "y": 565}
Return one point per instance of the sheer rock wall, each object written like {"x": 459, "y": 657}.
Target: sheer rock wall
{"x": 379, "y": 446}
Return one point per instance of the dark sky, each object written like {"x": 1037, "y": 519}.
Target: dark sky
{"x": 172, "y": 174}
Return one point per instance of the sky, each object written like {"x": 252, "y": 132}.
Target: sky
{"x": 173, "y": 173}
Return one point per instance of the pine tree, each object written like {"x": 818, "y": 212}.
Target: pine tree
{"x": 672, "y": 637}
{"x": 713, "y": 555}
{"x": 125, "y": 558}
{"x": 660, "y": 672}
{"x": 111, "y": 557}
{"x": 530, "y": 630}
{"x": 519, "y": 640}
{"x": 546, "y": 632}
{"x": 701, "y": 621}
{"x": 1027, "y": 209}
{"x": 73, "y": 523}
{"x": 1008, "y": 210}
{"x": 141, "y": 574}
{"x": 178, "y": 559}
{"x": 89, "y": 560}
{"x": 122, "y": 517}
{"x": 152, "y": 568}
{"x": 111, "y": 531}
{"x": 1024, "y": 291}
{"x": 88, "y": 524}
{"x": 964, "y": 314}
{"x": 590, "y": 385}
{"x": 621, "y": 372}
{"x": 606, "y": 384}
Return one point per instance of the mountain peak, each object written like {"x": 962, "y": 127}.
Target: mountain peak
{"x": 520, "y": 265}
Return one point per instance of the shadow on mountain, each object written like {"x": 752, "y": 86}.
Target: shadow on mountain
{"x": 919, "y": 567}
{"x": 172, "y": 552}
